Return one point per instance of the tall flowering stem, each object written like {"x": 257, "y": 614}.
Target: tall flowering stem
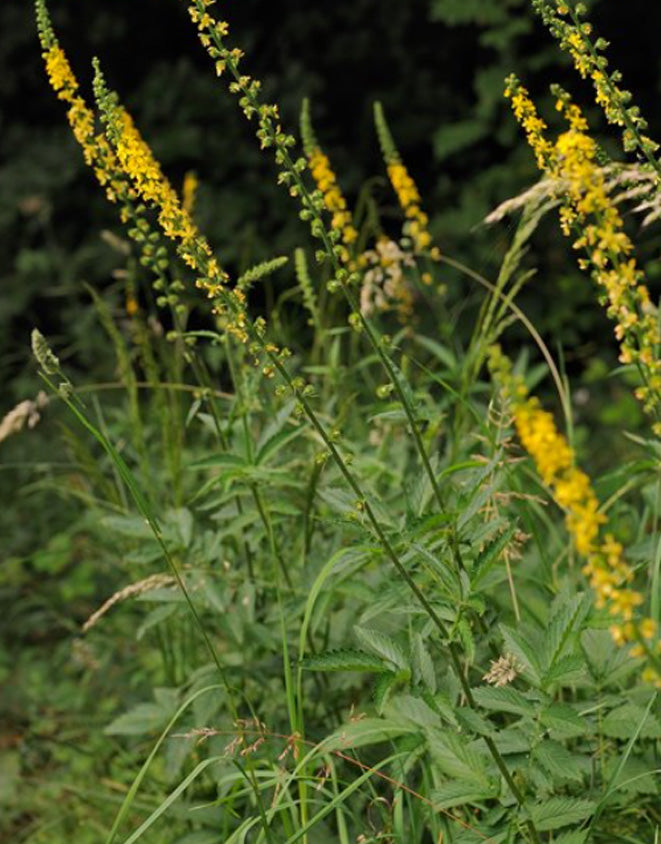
{"x": 606, "y": 568}
{"x": 326, "y": 182}
{"x": 565, "y": 21}
{"x": 589, "y": 214}
{"x": 212, "y": 35}
{"x": 417, "y": 222}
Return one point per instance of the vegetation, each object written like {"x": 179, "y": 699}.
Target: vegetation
{"x": 337, "y": 553}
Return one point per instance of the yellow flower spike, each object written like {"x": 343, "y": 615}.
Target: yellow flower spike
{"x": 587, "y": 207}
{"x": 189, "y": 191}
{"x": 334, "y": 201}
{"x": 606, "y": 569}
{"x": 408, "y": 196}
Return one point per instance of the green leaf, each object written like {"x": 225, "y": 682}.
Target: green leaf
{"x": 503, "y": 699}
{"x": 525, "y": 650}
{"x": 460, "y": 793}
{"x": 623, "y": 722}
{"x": 458, "y": 758}
{"x": 636, "y": 776}
{"x": 575, "y": 837}
{"x": 565, "y": 671}
{"x": 513, "y": 740}
{"x": 275, "y": 427}
{"x": 563, "y": 721}
{"x": 489, "y": 555}
{"x": 219, "y": 461}
{"x": 348, "y": 659}
{"x": 557, "y": 812}
{"x": 132, "y": 527}
{"x": 473, "y": 721}
{"x": 276, "y": 443}
{"x": 146, "y": 717}
{"x": 414, "y": 709}
{"x": 561, "y": 764}
{"x": 383, "y": 686}
{"x": 606, "y": 662}
{"x": 564, "y": 622}
{"x": 422, "y": 664}
{"x": 365, "y": 732}
{"x": 383, "y": 645}
{"x": 181, "y": 521}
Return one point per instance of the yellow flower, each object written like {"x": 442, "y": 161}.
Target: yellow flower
{"x": 334, "y": 201}
{"x": 189, "y": 191}
{"x": 409, "y": 200}
{"x": 608, "y": 572}
{"x": 587, "y": 207}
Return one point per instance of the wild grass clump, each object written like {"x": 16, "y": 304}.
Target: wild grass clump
{"x": 375, "y": 591}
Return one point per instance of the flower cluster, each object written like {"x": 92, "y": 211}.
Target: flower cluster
{"x": 124, "y": 163}
{"x": 526, "y": 114}
{"x": 588, "y": 208}
{"x": 566, "y": 23}
{"x": 150, "y": 185}
{"x": 609, "y": 574}
{"x": 334, "y": 201}
{"x": 212, "y": 35}
{"x": 416, "y": 226}
{"x": 384, "y": 285}
{"x": 95, "y": 147}
{"x": 189, "y": 191}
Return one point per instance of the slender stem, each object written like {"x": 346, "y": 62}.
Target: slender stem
{"x": 401, "y": 569}
{"x": 327, "y": 241}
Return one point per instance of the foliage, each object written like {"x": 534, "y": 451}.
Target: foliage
{"x": 305, "y": 585}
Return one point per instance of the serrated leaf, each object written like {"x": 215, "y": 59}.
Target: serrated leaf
{"x": 564, "y": 623}
{"x": 563, "y": 721}
{"x": 413, "y": 709}
{"x": 624, "y": 721}
{"x": 567, "y": 670}
{"x": 457, "y": 757}
{"x": 422, "y": 664}
{"x": 503, "y": 699}
{"x": 467, "y": 639}
{"x": 382, "y": 645}
{"x": 519, "y": 646}
{"x": 635, "y": 777}
{"x": 561, "y": 764}
{"x": 576, "y": 836}
{"x": 348, "y": 659}
{"x": 557, "y": 812}
{"x": 473, "y": 721}
{"x": 490, "y": 555}
{"x": 382, "y": 689}
{"x": 607, "y": 663}
{"x": 512, "y": 740}
{"x": 366, "y": 731}
{"x": 460, "y": 793}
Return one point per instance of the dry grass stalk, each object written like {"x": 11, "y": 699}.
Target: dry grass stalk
{"x": 25, "y": 413}
{"x": 154, "y": 581}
